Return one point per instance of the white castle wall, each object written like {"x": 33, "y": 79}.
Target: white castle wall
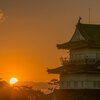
{"x": 80, "y": 81}
{"x": 82, "y": 54}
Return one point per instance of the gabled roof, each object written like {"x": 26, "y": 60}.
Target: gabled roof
{"x": 90, "y": 32}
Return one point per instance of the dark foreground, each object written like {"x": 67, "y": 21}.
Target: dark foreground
{"x": 79, "y": 94}
{"x": 8, "y": 92}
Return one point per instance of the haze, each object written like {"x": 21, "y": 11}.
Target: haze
{"x": 32, "y": 28}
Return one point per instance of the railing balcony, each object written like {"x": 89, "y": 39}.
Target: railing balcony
{"x": 65, "y": 61}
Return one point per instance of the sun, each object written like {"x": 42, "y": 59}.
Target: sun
{"x": 13, "y": 80}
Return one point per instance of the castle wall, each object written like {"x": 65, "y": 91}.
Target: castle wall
{"x": 79, "y": 81}
{"x": 82, "y": 54}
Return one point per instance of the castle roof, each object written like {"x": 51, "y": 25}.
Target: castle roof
{"x": 73, "y": 69}
{"x": 91, "y": 34}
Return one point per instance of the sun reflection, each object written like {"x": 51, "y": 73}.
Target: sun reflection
{"x": 13, "y": 80}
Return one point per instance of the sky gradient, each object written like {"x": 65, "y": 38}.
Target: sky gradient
{"x": 30, "y": 30}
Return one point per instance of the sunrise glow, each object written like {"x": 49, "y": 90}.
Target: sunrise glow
{"x": 13, "y": 80}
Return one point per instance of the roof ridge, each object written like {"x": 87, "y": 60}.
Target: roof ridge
{"x": 89, "y": 24}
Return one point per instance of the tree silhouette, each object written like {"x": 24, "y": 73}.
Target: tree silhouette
{"x": 54, "y": 84}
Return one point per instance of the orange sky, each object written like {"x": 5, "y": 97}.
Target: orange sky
{"x": 31, "y": 30}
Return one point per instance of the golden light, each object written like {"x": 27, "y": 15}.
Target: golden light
{"x": 13, "y": 80}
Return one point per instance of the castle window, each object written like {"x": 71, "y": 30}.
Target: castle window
{"x": 68, "y": 83}
{"x": 82, "y": 83}
{"x": 75, "y": 84}
{"x": 96, "y": 83}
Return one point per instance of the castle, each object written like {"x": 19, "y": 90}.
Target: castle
{"x": 80, "y": 74}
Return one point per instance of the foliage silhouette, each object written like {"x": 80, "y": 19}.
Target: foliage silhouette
{"x": 8, "y": 92}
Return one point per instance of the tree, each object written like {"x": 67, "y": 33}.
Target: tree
{"x": 54, "y": 84}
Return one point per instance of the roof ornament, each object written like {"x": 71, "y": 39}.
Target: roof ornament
{"x": 79, "y": 19}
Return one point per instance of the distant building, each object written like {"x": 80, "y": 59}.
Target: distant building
{"x": 81, "y": 72}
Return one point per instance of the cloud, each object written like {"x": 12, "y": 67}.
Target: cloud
{"x": 3, "y": 17}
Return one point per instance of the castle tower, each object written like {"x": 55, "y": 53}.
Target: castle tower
{"x": 81, "y": 72}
